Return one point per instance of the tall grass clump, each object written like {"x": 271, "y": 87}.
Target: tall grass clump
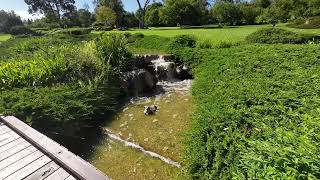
{"x": 276, "y": 35}
{"x": 256, "y": 113}
{"x": 112, "y": 49}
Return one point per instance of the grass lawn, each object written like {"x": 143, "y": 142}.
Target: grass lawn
{"x": 216, "y": 34}
{"x": 4, "y": 37}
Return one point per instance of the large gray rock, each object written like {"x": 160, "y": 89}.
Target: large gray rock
{"x": 139, "y": 81}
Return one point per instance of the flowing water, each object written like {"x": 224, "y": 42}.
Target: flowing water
{"x": 161, "y": 134}
{"x": 132, "y": 145}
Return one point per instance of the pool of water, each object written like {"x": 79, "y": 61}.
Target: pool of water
{"x": 161, "y": 133}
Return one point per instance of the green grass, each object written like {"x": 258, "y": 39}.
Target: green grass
{"x": 257, "y": 112}
{"x": 4, "y": 37}
{"x": 215, "y": 34}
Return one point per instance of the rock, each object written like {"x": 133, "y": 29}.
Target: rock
{"x": 183, "y": 72}
{"x": 138, "y": 81}
{"x": 150, "y": 110}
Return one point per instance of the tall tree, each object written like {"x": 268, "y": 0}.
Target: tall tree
{"x": 9, "y": 20}
{"x": 142, "y": 12}
{"x": 51, "y": 7}
{"x": 116, "y": 6}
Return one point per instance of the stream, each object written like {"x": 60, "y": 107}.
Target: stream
{"x": 132, "y": 145}
{"x": 148, "y": 147}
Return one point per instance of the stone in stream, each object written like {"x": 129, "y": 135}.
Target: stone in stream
{"x": 150, "y": 110}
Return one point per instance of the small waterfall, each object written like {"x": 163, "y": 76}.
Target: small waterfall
{"x": 165, "y": 70}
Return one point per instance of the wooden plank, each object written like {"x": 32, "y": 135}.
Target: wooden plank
{"x": 59, "y": 174}
{"x": 43, "y": 172}
{"x": 4, "y": 129}
{"x": 15, "y": 148}
{"x": 29, "y": 169}
{"x": 77, "y": 166}
{"x": 7, "y": 171}
{"x": 8, "y": 137}
{"x": 16, "y": 157}
{"x": 71, "y": 178}
{"x": 11, "y": 144}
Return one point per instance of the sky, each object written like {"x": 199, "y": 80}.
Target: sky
{"x": 22, "y": 9}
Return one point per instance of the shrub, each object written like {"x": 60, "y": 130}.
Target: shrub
{"x": 183, "y": 41}
{"x": 112, "y": 49}
{"x": 60, "y": 109}
{"x": 223, "y": 44}
{"x": 310, "y": 23}
{"x": 133, "y": 37}
{"x": 75, "y": 31}
{"x": 276, "y": 35}
{"x": 55, "y": 65}
{"x": 21, "y": 30}
{"x": 205, "y": 44}
{"x": 255, "y": 112}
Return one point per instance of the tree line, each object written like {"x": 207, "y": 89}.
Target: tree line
{"x": 111, "y": 13}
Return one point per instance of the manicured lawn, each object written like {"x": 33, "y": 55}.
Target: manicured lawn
{"x": 4, "y": 37}
{"x": 214, "y": 33}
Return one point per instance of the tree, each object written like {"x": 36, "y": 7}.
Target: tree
{"x": 181, "y": 12}
{"x": 116, "y": 6}
{"x": 152, "y": 17}
{"x": 227, "y": 13}
{"x": 106, "y": 16}
{"x": 142, "y": 12}
{"x": 262, "y": 3}
{"x": 9, "y": 20}
{"x": 85, "y": 17}
{"x": 130, "y": 20}
{"x": 53, "y": 8}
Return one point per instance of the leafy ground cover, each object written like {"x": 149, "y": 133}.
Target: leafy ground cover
{"x": 4, "y": 37}
{"x": 257, "y": 112}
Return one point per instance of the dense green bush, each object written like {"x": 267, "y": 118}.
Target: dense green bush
{"x": 183, "y": 41}
{"x": 75, "y": 31}
{"x": 133, "y": 37}
{"x": 112, "y": 49}
{"x": 256, "y": 112}
{"x": 205, "y": 44}
{"x": 57, "y": 108}
{"x": 310, "y": 23}
{"x": 56, "y": 65}
{"x": 21, "y": 30}
{"x": 276, "y": 35}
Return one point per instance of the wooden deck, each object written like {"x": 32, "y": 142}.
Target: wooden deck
{"x": 27, "y": 154}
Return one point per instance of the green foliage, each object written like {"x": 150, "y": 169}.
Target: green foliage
{"x": 112, "y": 49}
{"x": 106, "y": 16}
{"x": 205, "y": 44}
{"x": 9, "y": 20}
{"x": 21, "y": 30}
{"x": 183, "y": 41}
{"x": 147, "y": 45}
{"x": 226, "y": 12}
{"x": 56, "y": 65}
{"x": 276, "y": 35}
{"x": 256, "y": 113}
{"x": 182, "y": 12}
{"x": 75, "y": 31}
{"x": 56, "y": 108}
{"x": 310, "y": 23}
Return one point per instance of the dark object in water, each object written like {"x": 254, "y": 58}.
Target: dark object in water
{"x": 150, "y": 110}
